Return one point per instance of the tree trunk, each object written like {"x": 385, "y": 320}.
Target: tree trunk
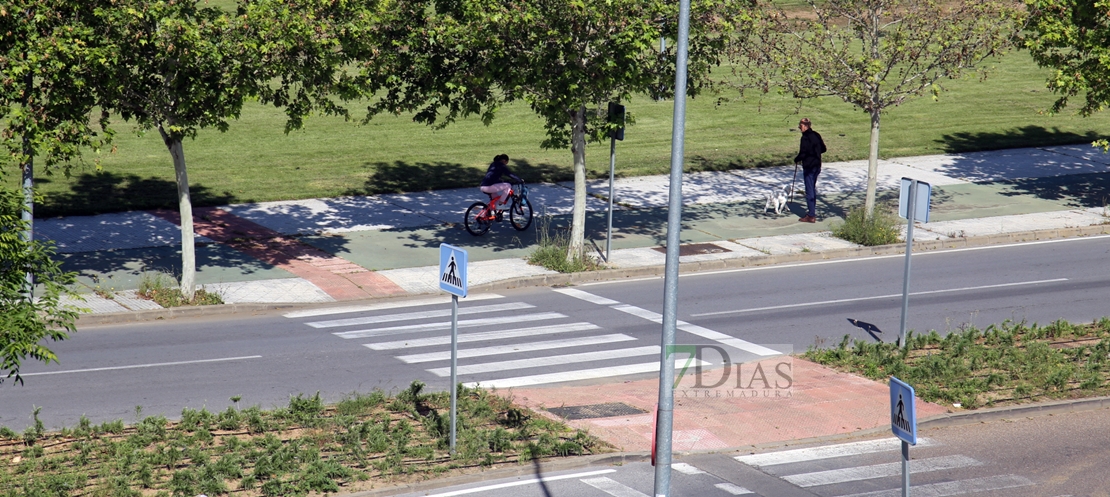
{"x": 578, "y": 148}
{"x": 28, "y": 170}
{"x": 185, "y": 206}
{"x": 872, "y": 165}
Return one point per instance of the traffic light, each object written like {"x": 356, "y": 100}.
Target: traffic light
{"x": 616, "y": 116}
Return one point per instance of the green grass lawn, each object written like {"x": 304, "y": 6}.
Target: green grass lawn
{"x": 256, "y": 161}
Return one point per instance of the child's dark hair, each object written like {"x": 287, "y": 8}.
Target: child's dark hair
{"x": 502, "y": 157}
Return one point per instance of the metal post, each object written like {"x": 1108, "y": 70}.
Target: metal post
{"x": 612, "y": 170}
{"x": 910, "y": 208}
{"x": 454, "y": 366}
{"x": 905, "y": 468}
{"x": 664, "y": 427}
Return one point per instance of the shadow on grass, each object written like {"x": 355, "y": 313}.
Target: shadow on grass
{"x": 1025, "y": 136}
{"x": 402, "y": 177}
{"x": 104, "y": 192}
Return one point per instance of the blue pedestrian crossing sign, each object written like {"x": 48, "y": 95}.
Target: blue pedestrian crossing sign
{"x": 452, "y": 269}
{"x": 903, "y": 414}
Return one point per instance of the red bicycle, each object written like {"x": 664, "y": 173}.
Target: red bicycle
{"x": 481, "y": 215}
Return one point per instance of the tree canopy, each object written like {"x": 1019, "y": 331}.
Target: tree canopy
{"x": 874, "y": 54}
{"x": 1072, "y": 37}
{"x": 26, "y": 321}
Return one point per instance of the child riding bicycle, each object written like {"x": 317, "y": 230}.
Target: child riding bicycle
{"x": 493, "y": 185}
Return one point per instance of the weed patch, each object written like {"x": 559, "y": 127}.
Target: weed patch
{"x": 307, "y": 447}
{"x": 163, "y": 290}
{"x": 551, "y": 250}
{"x": 882, "y": 228}
{"x": 1004, "y": 364}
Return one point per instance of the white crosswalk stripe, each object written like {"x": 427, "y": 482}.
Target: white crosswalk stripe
{"x": 600, "y": 355}
{"x": 612, "y": 487}
{"x": 879, "y": 471}
{"x": 733, "y": 489}
{"x": 484, "y": 336}
{"x": 519, "y": 347}
{"x": 407, "y": 316}
{"x": 381, "y": 306}
{"x": 446, "y": 325}
{"x": 827, "y": 452}
{"x": 583, "y": 374}
{"x": 959, "y": 487}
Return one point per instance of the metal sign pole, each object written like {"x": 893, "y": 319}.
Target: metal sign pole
{"x": 612, "y": 170}
{"x": 905, "y": 469}
{"x": 910, "y": 208}
{"x": 454, "y": 365}
{"x": 665, "y": 425}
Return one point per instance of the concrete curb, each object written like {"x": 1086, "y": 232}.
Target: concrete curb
{"x": 174, "y": 312}
{"x": 569, "y": 279}
{"x": 1013, "y": 412}
{"x": 546, "y": 466}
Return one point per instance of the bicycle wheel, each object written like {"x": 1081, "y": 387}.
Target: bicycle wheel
{"x": 520, "y": 215}
{"x": 477, "y": 222}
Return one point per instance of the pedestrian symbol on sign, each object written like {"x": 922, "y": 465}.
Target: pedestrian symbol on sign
{"x": 452, "y": 270}
{"x": 450, "y": 277}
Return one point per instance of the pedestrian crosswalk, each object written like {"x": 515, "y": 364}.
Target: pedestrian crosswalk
{"x": 841, "y": 470}
{"x": 501, "y": 344}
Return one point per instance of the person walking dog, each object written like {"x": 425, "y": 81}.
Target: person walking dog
{"x": 809, "y": 155}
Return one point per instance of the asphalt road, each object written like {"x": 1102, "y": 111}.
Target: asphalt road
{"x": 595, "y": 332}
{"x": 1045, "y": 456}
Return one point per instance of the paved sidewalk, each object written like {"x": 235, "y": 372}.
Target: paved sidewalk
{"x": 351, "y": 248}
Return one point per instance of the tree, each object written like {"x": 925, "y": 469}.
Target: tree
{"x": 169, "y": 66}
{"x": 46, "y": 87}
{"x": 566, "y": 59}
{"x": 1070, "y": 36}
{"x": 875, "y": 54}
{"x": 26, "y": 321}
{"x": 302, "y": 55}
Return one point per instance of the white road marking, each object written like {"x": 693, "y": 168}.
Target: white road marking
{"x": 588, "y": 297}
{"x": 612, "y": 487}
{"x": 878, "y": 297}
{"x": 484, "y": 336}
{"x": 684, "y": 468}
{"x": 827, "y": 452}
{"x": 386, "y": 305}
{"x": 733, "y": 489}
{"x": 556, "y": 360}
{"x": 655, "y": 317}
{"x": 582, "y": 374}
{"x": 529, "y": 481}
{"x": 700, "y": 331}
{"x": 137, "y": 366}
{"x": 520, "y": 347}
{"x": 879, "y": 471}
{"x": 437, "y": 313}
{"x": 446, "y": 325}
{"x": 958, "y": 487}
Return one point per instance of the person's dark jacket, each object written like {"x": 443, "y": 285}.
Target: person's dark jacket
{"x": 810, "y": 150}
{"x": 495, "y": 172}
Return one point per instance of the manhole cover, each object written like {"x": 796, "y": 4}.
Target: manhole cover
{"x": 696, "y": 249}
{"x": 595, "y": 411}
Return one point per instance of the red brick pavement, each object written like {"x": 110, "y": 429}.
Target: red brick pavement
{"x": 338, "y": 277}
{"x": 819, "y": 402}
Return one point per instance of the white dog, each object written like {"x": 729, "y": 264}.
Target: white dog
{"x": 776, "y": 198}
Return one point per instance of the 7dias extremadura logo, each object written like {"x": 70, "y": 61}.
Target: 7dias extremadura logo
{"x": 710, "y": 372}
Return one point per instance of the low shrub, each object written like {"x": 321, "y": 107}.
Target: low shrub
{"x": 882, "y": 228}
